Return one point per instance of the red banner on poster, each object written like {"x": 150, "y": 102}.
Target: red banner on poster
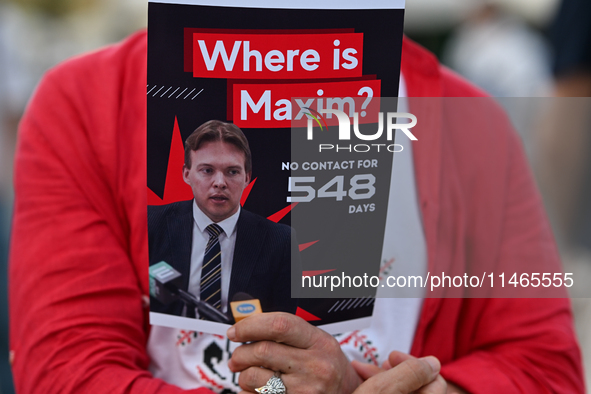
{"x": 277, "y": 56}
{"x": 268, "y": 105}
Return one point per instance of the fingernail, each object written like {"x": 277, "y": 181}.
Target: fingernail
{"x": 433, "y": 363}
{"x": 231, "y": 333}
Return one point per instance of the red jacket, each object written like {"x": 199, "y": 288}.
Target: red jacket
{"x": 78, "y": 260}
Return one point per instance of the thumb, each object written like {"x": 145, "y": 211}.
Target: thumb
{"x": 396, "y": 357}
{"x": 407, "y": 377}
{"x": 365, "y": 371}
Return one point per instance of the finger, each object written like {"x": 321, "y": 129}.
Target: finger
{"x": 396, "y": 357}
{"x": 365, "y": 371}
{"x": 253, "y": 378}
{"x": 279, "y": 327}
{"x": 271, "y": 355}
{"x": 386, "y": 365}
{"x": 417, "y": 372}
{"x": 438, "y": 386}
{"x": 405, "y": 378}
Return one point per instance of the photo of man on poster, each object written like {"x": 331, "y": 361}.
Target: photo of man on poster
{"x": 218, "y": 247}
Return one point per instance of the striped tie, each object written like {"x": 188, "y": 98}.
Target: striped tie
{"x": 211, "y": 271}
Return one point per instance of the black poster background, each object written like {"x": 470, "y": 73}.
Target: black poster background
{"x": 270, "y": 147}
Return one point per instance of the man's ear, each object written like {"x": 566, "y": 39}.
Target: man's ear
{"x": 248, "y": 175}
{"x": 186, "y": 174}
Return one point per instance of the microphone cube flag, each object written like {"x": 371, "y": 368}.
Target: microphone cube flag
{"x": 245, "y": 308}
{"x": 162, "y": 278}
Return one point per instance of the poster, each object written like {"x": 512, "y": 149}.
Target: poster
{"x": 265, "y": 67}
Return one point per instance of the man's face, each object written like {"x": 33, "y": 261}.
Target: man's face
{"x": 217, "y": 177}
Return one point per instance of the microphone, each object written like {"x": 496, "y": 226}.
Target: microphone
{"x": 244, "y": 305}
{"x": 165, "y": 286}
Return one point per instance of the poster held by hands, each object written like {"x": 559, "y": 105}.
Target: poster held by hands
{"x": 270, "y": 68}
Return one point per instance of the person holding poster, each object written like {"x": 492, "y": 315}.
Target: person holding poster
{"x": 248, "y": 250}
{"x": 78, "y": 275}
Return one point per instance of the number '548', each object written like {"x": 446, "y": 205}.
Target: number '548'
{"x": 361, "y": 187}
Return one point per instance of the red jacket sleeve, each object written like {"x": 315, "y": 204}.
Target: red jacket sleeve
{"x": 78, "y": 319}
{"x": 482, "y": 212}
{"x": 519, "y": 345}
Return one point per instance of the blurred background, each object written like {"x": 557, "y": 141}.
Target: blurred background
{"x": 528, "y": 53}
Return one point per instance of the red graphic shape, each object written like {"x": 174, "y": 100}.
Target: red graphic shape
{"x": 386, "y": 267}
{"x": 361, "y": 342}
{"x": 306, "y": 245}
{"x": 207, "y": 379}
{"x": 314, "y": 273}
{"x": 307, "y": 316}
{"x": 185, "y": 335}
{"x": 175, "y": 188}
{"x": 276, "y": 217}
{"x": 246, "y": 192}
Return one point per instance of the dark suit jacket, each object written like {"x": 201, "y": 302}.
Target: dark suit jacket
{"x": 261, "y": 265}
